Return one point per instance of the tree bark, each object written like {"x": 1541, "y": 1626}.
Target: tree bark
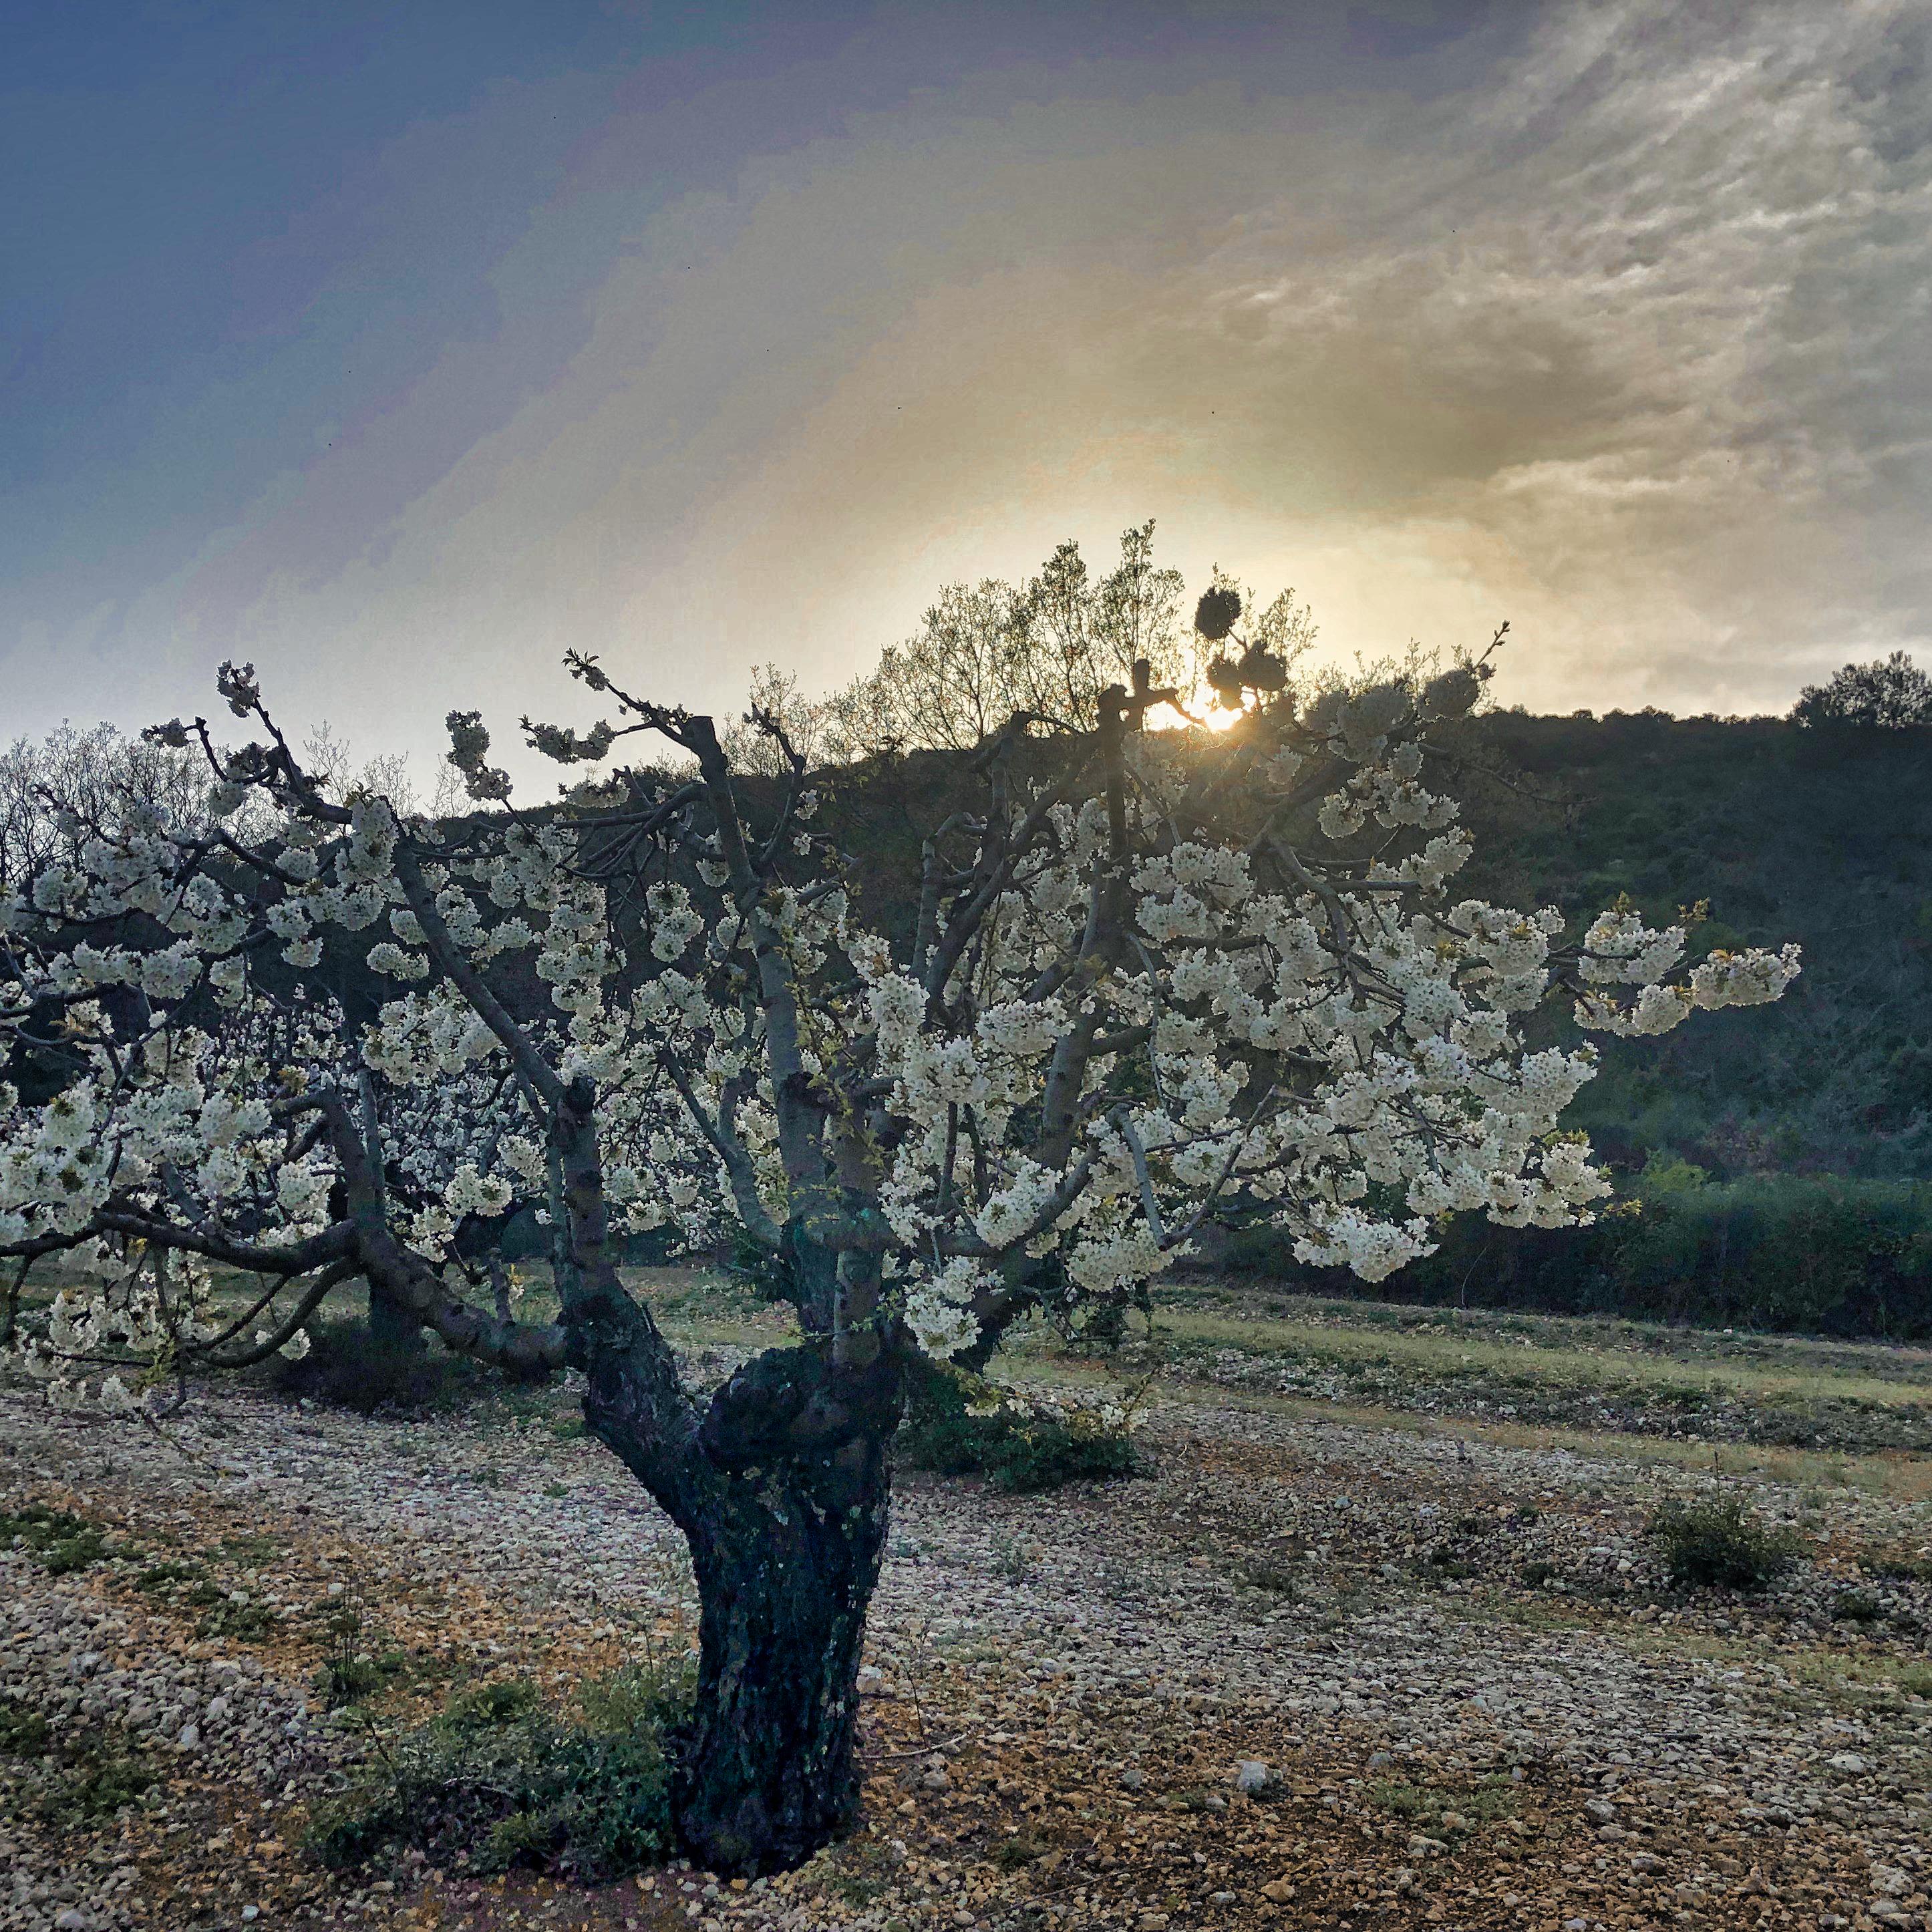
{"x": 394, "y": 1327}
{"x": 786, "y": 1557}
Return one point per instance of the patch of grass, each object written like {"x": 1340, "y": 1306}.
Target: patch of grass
{"x": 1857, "y": 1606}
{"x": 1015, "y": 1854}
{"x": 166, "y": 1575}
{"x": 1897, "y": 1567}
{"x": 59, "y": 1542}
{"x": 958, "y": 1425}
{"x": 251, "y": 1551}
{"x": 246, "y": 1621}
{"x": 1485, "y": 1802}
{"x": 496, "y": 1781}
{"x": 347, "y": 1367}
{"x": 100, "y": 1784}
{"x": 1722, "y": 1544}
{"x": 23, "y": 1733}
{"x": 1279, "y": 1579}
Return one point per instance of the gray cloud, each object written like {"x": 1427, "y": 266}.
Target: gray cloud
{"x": 1622, "y": 337}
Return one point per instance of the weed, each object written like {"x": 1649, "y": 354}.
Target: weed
{"x": 100, "y": 1784}
{"x": 236, "y": 1614}
{"x": 1015, "y": 1558}
{"x": 60, "y": 1542}
{"x": 1897, "y": 1568}
{"x": 1482, "y": 1803}
{"x": 1277, "y": 1579}
{"x": 1724, "y": 1543}
{"x": 500, "y": 1780}
{"x": 1014, "y": 1854}
{"x": 23, "y": 1733}
{"x": 957, "y": 1425}
{"x": 166, "y": 1575}
{"x": 349, "y": 1672}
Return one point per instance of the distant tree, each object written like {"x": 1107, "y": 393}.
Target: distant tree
{"x": 1044, "y": 651}
{"x": 1888, "y": 692}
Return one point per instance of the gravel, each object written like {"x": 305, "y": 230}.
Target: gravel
{"x": 1306, "y": 1673}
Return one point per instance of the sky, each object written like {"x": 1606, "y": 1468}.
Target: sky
{"x": 398, "y": 350}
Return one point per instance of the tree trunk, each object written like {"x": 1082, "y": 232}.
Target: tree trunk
{"x": 394, "y": 1328}
{"x": 786, "y": 1557}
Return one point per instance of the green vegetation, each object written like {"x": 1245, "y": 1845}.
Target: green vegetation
{"x": 958, "y": 1425}
{"x": 60, "y": 1542}
{"x": 497, "y": 1781}
{"x": 1722, "y": 1544}
{"x": 1592, "y": 1374}
{"x": 1438, "y": 1808}
{"x": 1818, "y": 1253}
{"x": 347, "y": 1367}
{"x": 23, "y": 1733}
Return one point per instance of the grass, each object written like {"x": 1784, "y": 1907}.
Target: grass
{"x": 1443, "y": 1352}
{"x": 497, "y": 1781}
{"x": 61, "y": 1543}
{"x": 1485, "y": 1802}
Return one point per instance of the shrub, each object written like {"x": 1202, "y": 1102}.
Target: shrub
{"x": 958, "y": 1425}
{"x": 1722, "y": 1544}
{"x": 1856, "y": 1606}
{"x": 1814, "y": 1253}
{"x": 23, "y": 1733}
{"x": 497, "y": 1781}
{"x": 349, "y": 1367}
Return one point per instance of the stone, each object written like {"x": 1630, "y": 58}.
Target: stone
{"x": 1251, "y": 1775}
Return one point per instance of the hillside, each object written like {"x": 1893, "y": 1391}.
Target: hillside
{"x": 1826, "y": 839}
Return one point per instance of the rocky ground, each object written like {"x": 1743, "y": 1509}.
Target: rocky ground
{"x": 1308, "y": 1672}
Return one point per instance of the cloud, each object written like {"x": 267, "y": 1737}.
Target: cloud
{"x": 1611, "y": 324}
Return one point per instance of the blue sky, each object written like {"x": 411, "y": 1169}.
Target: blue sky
{"x": 398, "y": 349}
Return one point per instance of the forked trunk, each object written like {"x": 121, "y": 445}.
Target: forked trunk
{"x": 786, "y": 1560}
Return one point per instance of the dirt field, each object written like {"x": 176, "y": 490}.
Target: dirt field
{"x": 1440, "y": 1626}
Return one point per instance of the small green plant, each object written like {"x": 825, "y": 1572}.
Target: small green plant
{"x": 1897, "y": 1566}
{"x": 1722, "y": 1544}
{"x": 1015, "y": 1558}
{"x": 350, "y": 1672}
{"x": 23, "y": 1733}
{"x": 237, "y": 1615}
{"x": 165, "y": 1576}
{"x": 498, "y": 1777}
{"x": 1857, "y": 1606}
{"x": 59, "y": 1542}
{"x": 100, "y": 1784}
{"x": 1278, "y": 1579}
{"x": 958, "y": 1425}
{"x": 1482, "y": 1803}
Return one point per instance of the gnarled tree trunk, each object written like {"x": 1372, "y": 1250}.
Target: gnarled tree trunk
{"x": 787, "y": 1559}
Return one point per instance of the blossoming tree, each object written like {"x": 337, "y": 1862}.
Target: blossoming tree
{"x": 1180, "y": 979}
